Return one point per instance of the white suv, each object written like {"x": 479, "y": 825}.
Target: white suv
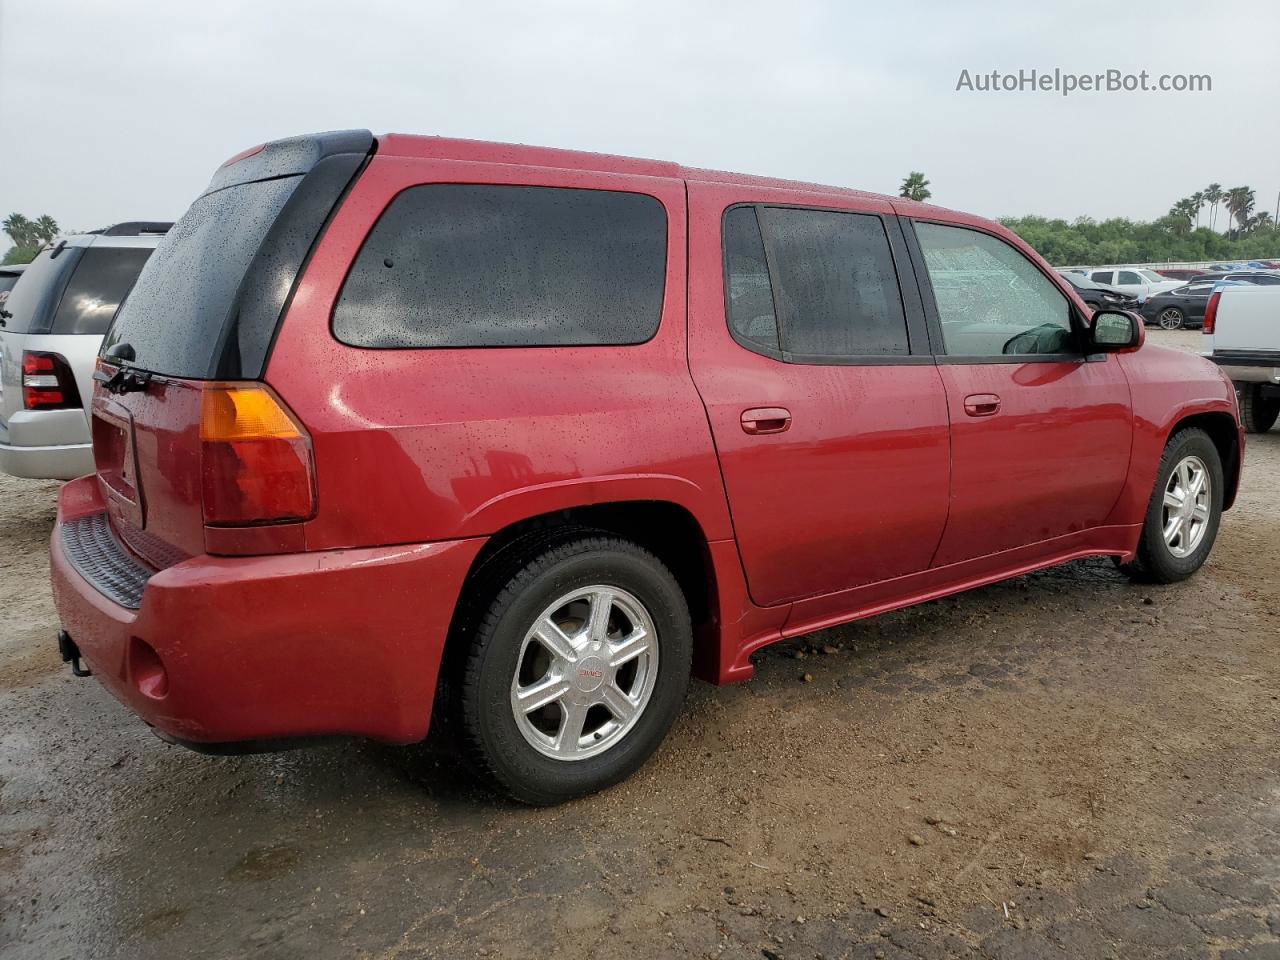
{"x": 1134, "y": 281}
{"x": 51, "y": 326}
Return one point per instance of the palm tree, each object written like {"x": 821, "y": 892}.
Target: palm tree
{"x": 1213, "y": 196}
{"x": 915, "y": 187}
{"x": 1198, "y": 199}
{"x": 46, "y": 228}
{"x": 20, "y": 230}
{"x": 1261, "y": 221}
{"x": 1240, "y": 201}
{"x": 1184, "y": 211}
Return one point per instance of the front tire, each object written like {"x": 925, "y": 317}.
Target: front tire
{"x": 1184, "y": 512}
{"x": 577, "y": 669}
{"x": 1257, "y": 412}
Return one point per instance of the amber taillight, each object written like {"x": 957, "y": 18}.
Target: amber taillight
{"x": 255, "y": 458}
{"x": 47, "y": 382}
{"x": 1211, "y": 312}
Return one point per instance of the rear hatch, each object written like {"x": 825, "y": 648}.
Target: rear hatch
{"x": 179, "y": 363}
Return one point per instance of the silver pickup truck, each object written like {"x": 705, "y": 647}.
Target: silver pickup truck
{"x": 1242, "y": 335}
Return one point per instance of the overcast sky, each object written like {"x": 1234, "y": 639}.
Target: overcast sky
{"x": 122, "y": 110}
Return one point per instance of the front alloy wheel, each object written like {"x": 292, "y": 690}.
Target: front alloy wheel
{"x": 1187, "y": 507}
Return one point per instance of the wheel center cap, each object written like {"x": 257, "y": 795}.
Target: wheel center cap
{"x": 588, "y": 674}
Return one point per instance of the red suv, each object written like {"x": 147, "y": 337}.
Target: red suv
{"x": 527, "y": 436}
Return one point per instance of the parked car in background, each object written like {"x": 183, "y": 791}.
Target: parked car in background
{"x": 1258, "y": 277}
{"x": 1135, "y": 282}
{"x": 1242, "y": 336}
{"x": 8, "y": 278}
{"x": 1179, "y": 273}
{"x": 54, "y": 320}
{"x": 1181, "y": 307}
{"x": 1098, "y": 296}
{"x": 530, "y": 435}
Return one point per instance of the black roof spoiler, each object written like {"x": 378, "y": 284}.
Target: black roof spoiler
{"x": 136, "y": 228}
{"x": 291, "y": 157}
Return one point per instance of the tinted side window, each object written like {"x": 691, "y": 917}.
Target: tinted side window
{"x": 33, "y": 298}
{"x": 749, "y": 293}
{"x": 461, "y": 265}
{"x": 835, "y": 284}
{"x": 103, "y": 277}
{"x": 1103, "y": 276}
{"x": 992, "y": 300}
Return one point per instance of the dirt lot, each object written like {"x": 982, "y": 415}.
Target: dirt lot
{"x": 1060, "y": 765}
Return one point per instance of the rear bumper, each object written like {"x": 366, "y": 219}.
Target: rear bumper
{"x": 1249, "y": 367}
{"x": 47, "y": 463}
{"x": 224, "y": 649}
{"x": 46, "y": 445}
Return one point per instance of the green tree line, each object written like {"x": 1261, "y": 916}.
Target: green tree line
{"x": 1211, "y": 224}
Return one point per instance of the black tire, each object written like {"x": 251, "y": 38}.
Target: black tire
{"x": 1155, "y": 562}
{"x": 517, "y": 590}
{"x": 1171, "y": 318}
{"x": 1257, "y": 413}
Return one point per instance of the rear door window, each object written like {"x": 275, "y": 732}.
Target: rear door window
{"x": 749, "y": 294}
{"x": 100, "y": 282}
{"x": 466, "y": 265}
{"x": 834, "y": 284}
{"x": 1103, "y": 276}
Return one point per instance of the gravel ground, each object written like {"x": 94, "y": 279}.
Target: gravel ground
{"x": 1061, "y": 765}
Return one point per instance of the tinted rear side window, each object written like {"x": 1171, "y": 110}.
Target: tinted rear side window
{"x": 93, "y": 294}
{"x": 460, "y": 265}
{"x": 835, "y": 284}
{"x": 176, "y": 315}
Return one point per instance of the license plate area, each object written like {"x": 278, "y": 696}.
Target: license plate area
{"x": 115, "y": 459}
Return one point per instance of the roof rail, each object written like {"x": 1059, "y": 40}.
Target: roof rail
{"x": 136, "y": 228}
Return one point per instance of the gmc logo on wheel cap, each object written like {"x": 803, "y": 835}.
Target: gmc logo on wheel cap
{"x": 593, "y": 674}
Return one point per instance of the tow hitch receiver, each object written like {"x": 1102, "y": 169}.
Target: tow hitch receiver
{"x": 71, "y": 654}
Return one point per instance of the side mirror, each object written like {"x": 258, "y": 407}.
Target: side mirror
{"x": 1115, "y": 332}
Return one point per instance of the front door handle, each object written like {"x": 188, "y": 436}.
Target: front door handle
{"x": 766, "y": 420}
{"x": 982, "y": 405}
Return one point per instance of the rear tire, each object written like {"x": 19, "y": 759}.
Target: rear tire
{"x": 1257, "y": 413}
{"x": 586, "y": 738}
{"x": 1171, "y": 318}
{"x": 1175, "y": 542}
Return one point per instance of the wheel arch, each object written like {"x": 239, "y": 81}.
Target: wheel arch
{"x": 1225, "y": 434}
{"x": 666, "y": 529}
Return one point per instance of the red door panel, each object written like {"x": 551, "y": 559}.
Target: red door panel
{"x": 837, "y": 476}
{"x": 1038, "y": 450}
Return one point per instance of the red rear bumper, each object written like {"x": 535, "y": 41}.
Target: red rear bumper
{"x": 245, "y": 648}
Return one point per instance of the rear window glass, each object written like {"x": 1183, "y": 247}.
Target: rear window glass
{"x": 175, "y": 316}
{"x": 460, "y": 265}
{"x": 32, "y": 299}
{"x": 835, "y": 284}
{"x": 101, "y": 280}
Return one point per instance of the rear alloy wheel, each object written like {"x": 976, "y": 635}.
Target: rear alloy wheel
{"x": 576, "y": 668}
{"x": 1184, "y": 511}
{"x": 1258, "y": 413}
{"x": 1171, "y": 318}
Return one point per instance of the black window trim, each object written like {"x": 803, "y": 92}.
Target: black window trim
{"x": 1079, "y": 325}
{"x": 918, "y": 340}
{"x": 667, "y": 248}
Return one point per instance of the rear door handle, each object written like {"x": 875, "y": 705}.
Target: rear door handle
{"x": 766, "y": 420}
{"x": 982, "y": 405}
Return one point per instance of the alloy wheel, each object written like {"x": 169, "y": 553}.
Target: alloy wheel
{"x": 1171, "y": 319}
{"x": 1187, "y": 506}
{"x": 585, "y": 673}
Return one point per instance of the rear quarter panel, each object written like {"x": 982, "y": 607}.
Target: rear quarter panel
{"x": 414, "y": 445}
